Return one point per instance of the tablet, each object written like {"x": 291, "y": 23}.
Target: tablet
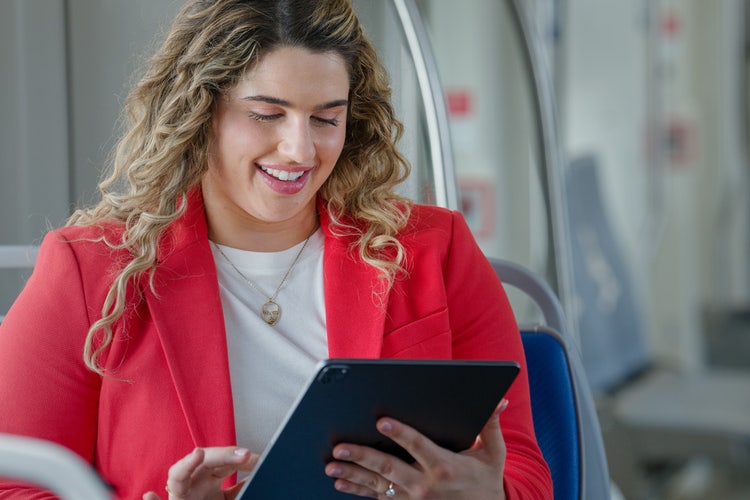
{"x": 448, "y": 401}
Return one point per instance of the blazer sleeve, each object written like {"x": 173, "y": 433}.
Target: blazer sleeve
{"x": 46, "y": 390}
{"x": 484, "y": 327}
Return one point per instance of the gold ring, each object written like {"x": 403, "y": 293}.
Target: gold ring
{"x": 173, "y": 494}
{"x": 390, "y": 492}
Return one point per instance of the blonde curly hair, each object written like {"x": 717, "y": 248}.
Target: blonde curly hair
{"x": 162, "y": 154}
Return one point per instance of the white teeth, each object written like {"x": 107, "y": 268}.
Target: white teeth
{"x": 282, "y": 175}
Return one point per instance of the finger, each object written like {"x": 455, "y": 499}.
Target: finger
{"x": 180, "y": 474}
{"x": 491, "y": 437}
{"x": 220, "y": 462}
{"x": 424, "y": 451}
{"x": 356, "y": 480}
{"x": 227, "y": 455}
{"x": 252, "y": 461}
{"x": 151, "y": 496}
{"x": 350, "y": 488}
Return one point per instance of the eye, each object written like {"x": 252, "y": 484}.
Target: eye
{"x": 264, "y": 118}
{"x": 326, "y": 121}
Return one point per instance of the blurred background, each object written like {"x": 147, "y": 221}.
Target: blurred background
{"x": 600, "y": 143}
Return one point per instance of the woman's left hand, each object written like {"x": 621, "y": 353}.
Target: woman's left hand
{"x": 437, "y": 473}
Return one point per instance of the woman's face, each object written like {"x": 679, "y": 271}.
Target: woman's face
{"x": 276, "y": 138}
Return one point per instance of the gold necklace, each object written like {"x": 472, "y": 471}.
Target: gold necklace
{"x": 271, "y": 311}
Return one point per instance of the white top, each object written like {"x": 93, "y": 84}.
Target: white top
{"x": 270, "y": 364}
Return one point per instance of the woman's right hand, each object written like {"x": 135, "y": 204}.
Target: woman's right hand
{"x": 200, "y": 474}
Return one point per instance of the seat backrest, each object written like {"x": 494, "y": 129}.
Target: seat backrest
{"x": 50, "y": 466}
{"x": 554, "y": 410}
{"x": 565, "y": 418}
{"x": 610, "y": 321}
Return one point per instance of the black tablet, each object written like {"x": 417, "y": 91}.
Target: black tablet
{"x": 448, "y": 401}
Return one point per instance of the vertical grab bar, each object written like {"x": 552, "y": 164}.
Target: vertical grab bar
{"x": 560, "y": 264}
{"x": 446, "y": 191}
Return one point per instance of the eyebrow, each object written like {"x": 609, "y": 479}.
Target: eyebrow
{"x": 283, "y": 102}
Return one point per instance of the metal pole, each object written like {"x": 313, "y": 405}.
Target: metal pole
{"x": 552, "y": 164}
{"x": 417, "y": 40}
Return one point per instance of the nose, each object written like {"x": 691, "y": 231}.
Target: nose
{"x": 297, "y": 142}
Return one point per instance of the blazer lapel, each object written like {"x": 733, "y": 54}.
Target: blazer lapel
{"x": 188, "y": 316}
{"x": 355, "y": 302}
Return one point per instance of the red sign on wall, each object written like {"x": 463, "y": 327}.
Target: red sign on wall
{"x": 459, "y": 103}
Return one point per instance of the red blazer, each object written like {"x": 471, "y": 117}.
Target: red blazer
{"x": 168, "y": 388}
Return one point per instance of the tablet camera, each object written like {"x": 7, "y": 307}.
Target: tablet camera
{"x": 333, "y": 374}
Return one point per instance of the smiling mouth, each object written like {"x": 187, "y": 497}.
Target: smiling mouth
{"x": 282, "y": 175}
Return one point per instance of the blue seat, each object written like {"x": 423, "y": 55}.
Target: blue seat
{"x": 565, "y": 418}
{"x": 554, "y": 409}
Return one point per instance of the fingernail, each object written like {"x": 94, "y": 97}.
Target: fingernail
{"x": 333, "y": 471}
{"x": 342, "y": 453}
{"x": 341, "y": 486}
{"x": 241, "y": 452}
{"x": 385, "y": 426}
{"x": 503, "y": 405}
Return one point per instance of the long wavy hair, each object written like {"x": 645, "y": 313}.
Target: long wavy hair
{"x": 163, "y": 151}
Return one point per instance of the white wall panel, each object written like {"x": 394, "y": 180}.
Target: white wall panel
{"x": 34, "y": 159}
{"x": 33, "y": 125}
{"x": 108, "y": 41}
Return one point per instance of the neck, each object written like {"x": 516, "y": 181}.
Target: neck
{"x": 266, "y": 239}
{"x": 260, "y": 236}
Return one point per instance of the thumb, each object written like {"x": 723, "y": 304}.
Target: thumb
{"x": 491, "y": 436}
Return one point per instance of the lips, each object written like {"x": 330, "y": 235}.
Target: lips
{"x": 283, "y": 175}
{"x": 285, "y": 181}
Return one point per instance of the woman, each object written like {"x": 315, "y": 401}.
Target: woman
{"x": 250, "y": 227}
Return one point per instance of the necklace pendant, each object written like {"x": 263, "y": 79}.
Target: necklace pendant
{"x": 271, "y": 312}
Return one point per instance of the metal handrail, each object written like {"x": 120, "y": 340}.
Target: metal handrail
{"x": 18, "y": 256}
{"x": 560, "y": 263}
{"x": 50, "y": 465}
{"x": 436, "y": 114}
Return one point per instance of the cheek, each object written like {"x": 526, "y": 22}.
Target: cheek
{"x": 333, "y": 145}
{"x": 227, "y": 158}
{"x": 231, "y": 157}
{"x": 236, "y": 136}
